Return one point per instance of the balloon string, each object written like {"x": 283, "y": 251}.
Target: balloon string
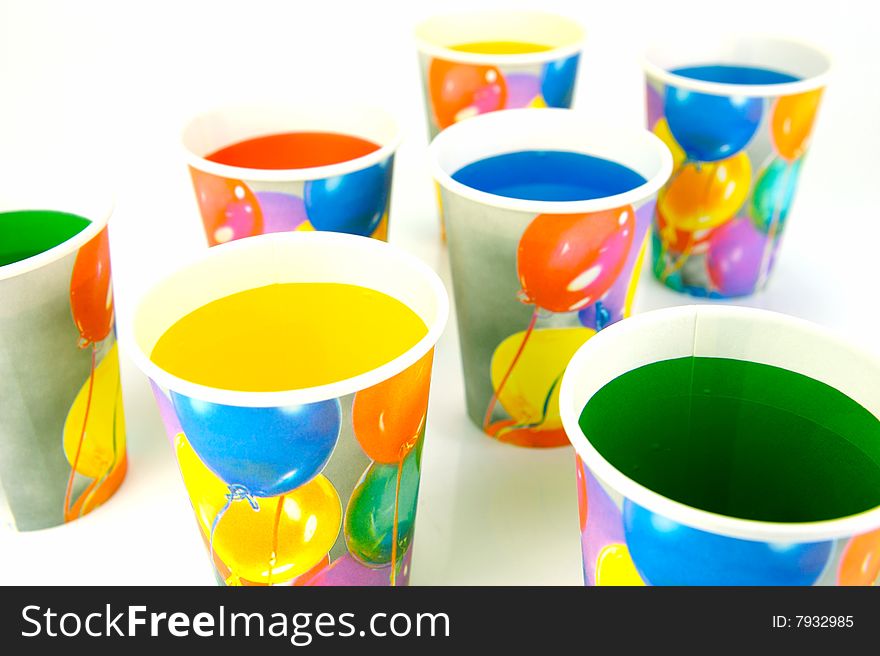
{"x": 544, "y": 411}
{"x": 82, "y": 435}
{"x": 394, "y": 528}
{"x": 236, "y": 493}
{"x": 764, "y": 269}
{"x": 274, "y": 557}
{"x": 96, "y": 485}
{"x": 516, "y": 357}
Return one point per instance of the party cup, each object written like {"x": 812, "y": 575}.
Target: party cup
{"x": 313, "y": 486}
{"x": 348, "y": 191}
{"x": 535, "y": 279}
{"x": 62, "y": 429}
{"x": 672, "y": 494}
{"x": 738, "y": 115}
{"x": 479, "y": 62}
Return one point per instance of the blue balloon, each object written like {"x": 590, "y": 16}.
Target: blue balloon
{"x": 268, "y": 451}
{"x": 710, "y": 128}
{"x": 773, "y": 194}
{"x": 557, "y": 85}
{"x": 353, "y": 203}
{"x": 668, "y": 553}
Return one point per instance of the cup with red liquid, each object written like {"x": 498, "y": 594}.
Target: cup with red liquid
{"x": 258, "y": 169}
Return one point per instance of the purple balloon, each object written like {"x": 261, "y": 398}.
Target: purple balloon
{"x": 736, "y": 251}
{"x": 281, "y": 212}
{"x": 345, "y": 570}
{"x": 522, "y": 88}
{"x": 166, "y": 411}
{"x": 654, "y": 105}
{"x": 604, "y": 524}
{"x": 609, "y": 308}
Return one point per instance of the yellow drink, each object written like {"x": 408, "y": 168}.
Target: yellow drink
{"x": 288, "y": 336}
{"x": 501, "y": 47}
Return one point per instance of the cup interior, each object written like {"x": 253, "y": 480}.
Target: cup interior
{"x": 443, "y": 33}
{"x": 288, "y": 258}
{"x": 498, "y": 133}
{"x": 807, "y": 63}
{"x": 686, "y": 443}
{"x": 219, "y": 128}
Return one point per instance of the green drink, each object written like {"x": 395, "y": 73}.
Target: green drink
{"x": 26, "y": 233}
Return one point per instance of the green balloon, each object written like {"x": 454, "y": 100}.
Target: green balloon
{"x": 369, "y": 517}
{"x": 773, "y": 194}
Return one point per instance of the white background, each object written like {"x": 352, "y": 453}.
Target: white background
{"x": 110, "y": 83}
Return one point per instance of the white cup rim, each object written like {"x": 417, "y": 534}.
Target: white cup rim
{"x": 336, "y": 389}
{"x": 794, "y": 532}
{"x": 246, "y": 174}
{"x": 549, "y": 117}
{"x": 655, "y": 71}
{"x": 434, "y": 50}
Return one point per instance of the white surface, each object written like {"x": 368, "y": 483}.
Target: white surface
{"x": 119, "y": 79}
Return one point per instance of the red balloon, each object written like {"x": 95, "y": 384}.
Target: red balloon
{"x": 229, "y": 209}
{"x": 568, "y": 261}
{"x": 458, "y": 91}
{"x": 388, "y": 417}
{"x": 91, "y": 295}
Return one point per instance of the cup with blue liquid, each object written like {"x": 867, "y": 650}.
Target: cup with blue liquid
{"x": 547, "y": 225}
{"x": 738, "y": 116}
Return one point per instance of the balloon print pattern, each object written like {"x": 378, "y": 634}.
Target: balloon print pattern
{"x": 737, "y": 160}
{"x": 93, "y": 437}
{"x": 566, "y": 264}
{"x": 265, "y": 503}
{"x": 457, "y": 91}
{"x": 354, "y": 203}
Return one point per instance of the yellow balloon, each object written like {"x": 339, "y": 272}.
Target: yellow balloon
{"x": 615, "y": 567}
{"x": 381, "y": 231}
{"x": 537, "y": 102}
{"x": 704, "y": 195}
{"x": 104, "y": 439}
{"x": 287, "y": 536}
{"x": 541, "y": 364}
{"x": 661, "y": 129}
{"x": 305, "y": 226}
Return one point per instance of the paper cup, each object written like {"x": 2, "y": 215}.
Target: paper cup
{"x": 532, "y": 279}
{"x": 314, "y": 456}
{"x": 633, "y": 535}
{"x": 62, "y": 428}
{"x": 351, "y": 196}
{"x": 459, "y": 84}
{"x": 738, "y": 149}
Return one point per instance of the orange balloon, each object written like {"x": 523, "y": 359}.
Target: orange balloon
{"x": 91, "y": 296}
{"x": 704, "y": 195}
{"x": 792, "y": 122}
{"x": 388, "y": 417}
{"x": 860, "y": 563}
{"x": 458, "y": 91}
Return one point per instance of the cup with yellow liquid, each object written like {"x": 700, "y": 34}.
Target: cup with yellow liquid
{"x": 478, "y": 62}
{"x": 292, "y": 373}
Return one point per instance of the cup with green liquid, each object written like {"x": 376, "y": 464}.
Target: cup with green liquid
{"x": 62, "y": 431}
{"x": 725, "y": 446}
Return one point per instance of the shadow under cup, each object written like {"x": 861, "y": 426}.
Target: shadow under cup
{"x": 348, "y": 191}
{"x": 725, "y": 446}
{"x": 535, "y": 279}
{"x": 313, "y": 486}
{"x": 62, "y": 426}
{"x": 738, "y": 115}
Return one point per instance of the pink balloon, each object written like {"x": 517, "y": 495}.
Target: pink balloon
{"x": 166, "y": 411}
{"x": 281, "y": 212}
{"x": 736, "y": 251}
{"x": 346, "y": 571}
{"x": 522, "y": 88}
